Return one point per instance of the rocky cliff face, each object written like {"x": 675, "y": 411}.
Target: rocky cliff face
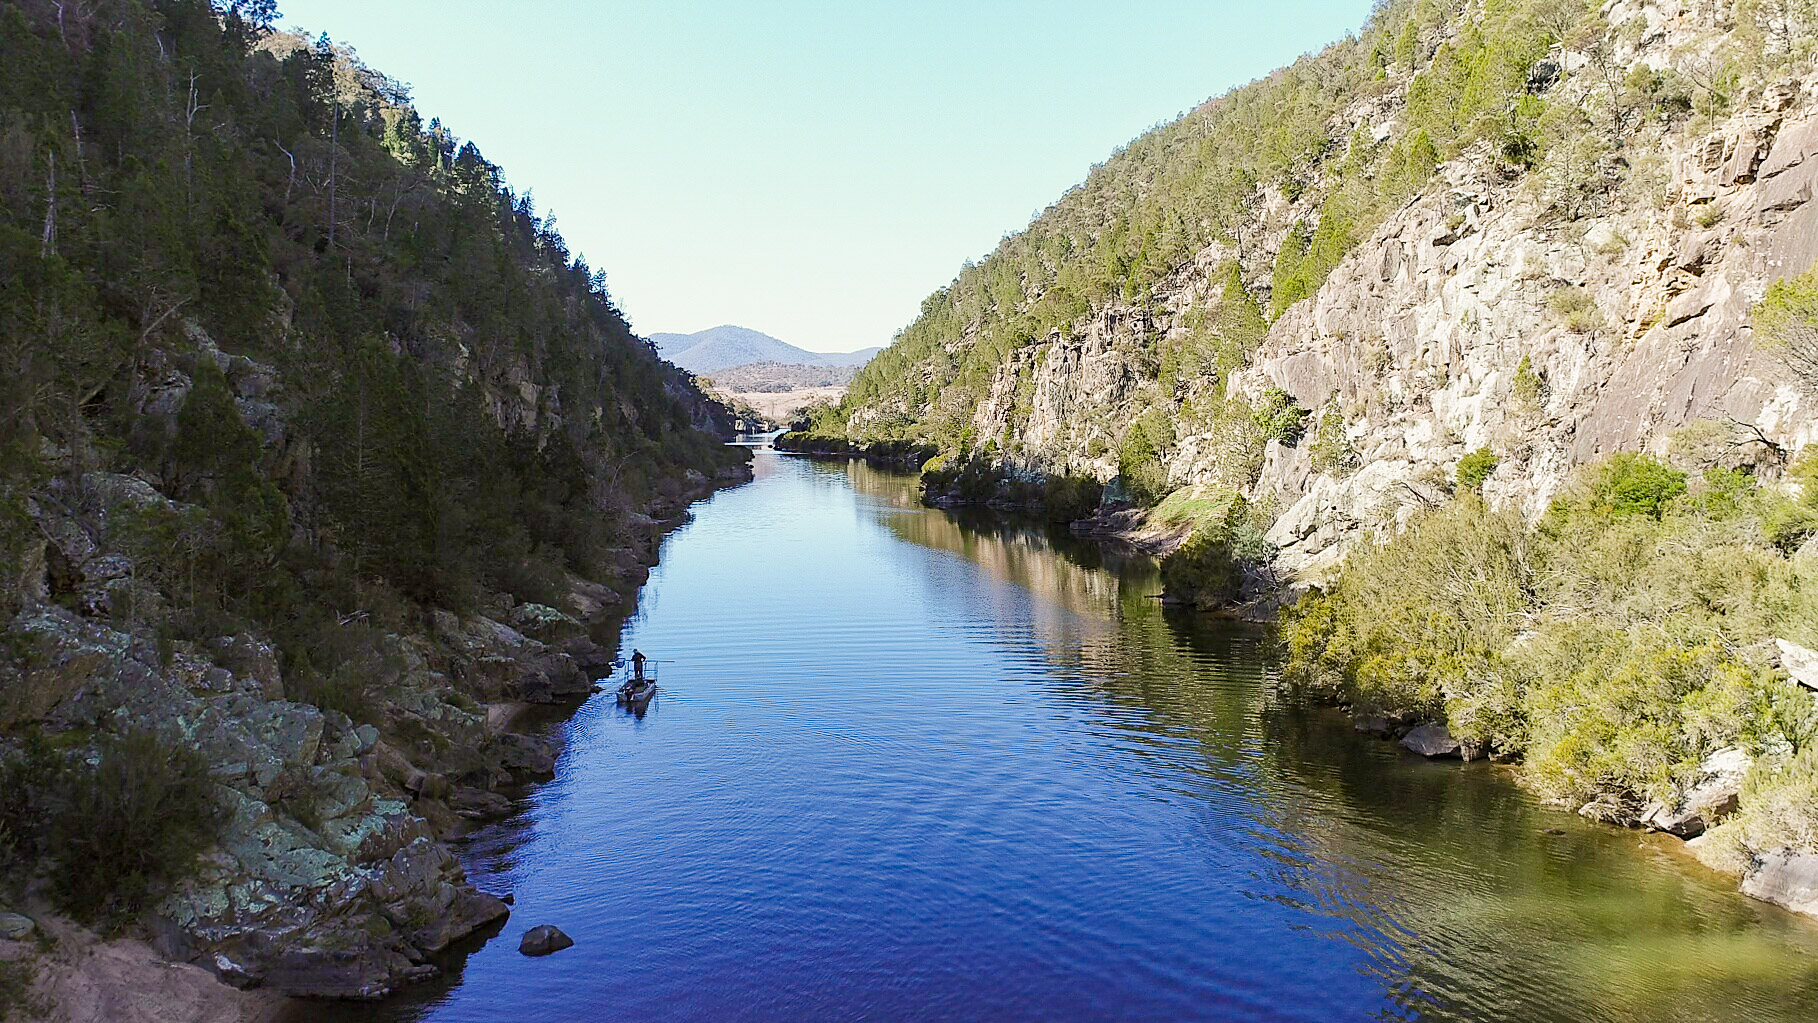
{"x": 1418, "y": 338}
{"x": 1553, "y": 317}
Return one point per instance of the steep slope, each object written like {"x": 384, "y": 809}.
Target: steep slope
{"x": 321, "y": 452}
{"x": 1377, "y": 237}
{"x": 1514, "y": 248}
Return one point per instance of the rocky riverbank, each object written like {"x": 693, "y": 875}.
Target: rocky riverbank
{"x": 332, "y": 876}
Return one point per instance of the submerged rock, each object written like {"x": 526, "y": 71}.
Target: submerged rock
{"x": 544, "y": 940}
{"x": 1431, "y": 740}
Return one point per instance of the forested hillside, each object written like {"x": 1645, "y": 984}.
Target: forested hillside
{"x": 303, "y": 403}
{"x": 1491, "y": 327}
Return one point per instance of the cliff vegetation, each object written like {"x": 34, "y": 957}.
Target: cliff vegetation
{"x": 318, "y": 440}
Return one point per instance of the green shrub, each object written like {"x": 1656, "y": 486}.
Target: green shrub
{"x": 1204, "y": 571}
{"x": 1331, "y": 451}
{"x": 1139, "y": 462}
{"x": 1787, "y": 319}
{"x": 1475, "y": 468}
{"x": 1208, "y": 570}
{"x": 1637, "y": 485}
{"x": 1279, "y": 417}
{"x": 1070, "y": 498}
{"x": 1576, "y": 308}
{"x": 122, "y": 829}
{"x": 1415, "y": 625}
{"x": 1619, "y": 724}
{"x": 1528, "y": 390}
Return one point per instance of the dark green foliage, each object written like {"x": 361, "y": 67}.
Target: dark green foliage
{"x": 415, "y": 393}
{"x": 1793, "y": 523}
{"x": 1208, "y": 570}
{"x": 1331, "y": 450}
{"x": 1634, "y": 485}
{"x": 1071, "y": 498}
{"x": 1204, "y": 572}
{"x": 1475, "y": 468}
{"x": 1280, "y": 418}
{"x": 1139, "y": 464}
{"x": 970, "y": 479}
{"x": 122, "y": 829}
{"x": 27, "y": 774}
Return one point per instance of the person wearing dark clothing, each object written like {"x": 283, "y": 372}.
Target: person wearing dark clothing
{"x": 637, "y": 665}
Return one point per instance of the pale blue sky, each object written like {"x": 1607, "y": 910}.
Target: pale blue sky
{"x": 811, "y": 170}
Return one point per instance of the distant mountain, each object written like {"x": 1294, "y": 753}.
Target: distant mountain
{"x": 717, "y": 348}
{"x": 853, "y": 359}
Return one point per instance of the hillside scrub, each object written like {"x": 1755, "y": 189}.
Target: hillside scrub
{"x": 337, "y": 301}
{"x": 1470, "y": 76}
{"x": 1612, "y": 646}
{"x": 303, "y": 403}
{"x": 1787, "y": 319}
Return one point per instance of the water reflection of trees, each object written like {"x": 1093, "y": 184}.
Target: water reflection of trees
{"x": 1441, "y": 876}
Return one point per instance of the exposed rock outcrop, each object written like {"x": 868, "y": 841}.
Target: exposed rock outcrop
{"x": 1800, "y": 663}
{"x": 330, "y": 878}
{"x": 1715, "y": 794}
{"x": 1431, "y": 740}
{"x": 1786, "y": 878}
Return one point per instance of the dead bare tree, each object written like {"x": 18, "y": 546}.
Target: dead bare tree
{"x": 334, "y": 153}
{"x": 290, "y": 182}
{"x": 48, "y": 246}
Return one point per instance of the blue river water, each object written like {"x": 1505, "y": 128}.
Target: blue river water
{"x": 905, "y": 765}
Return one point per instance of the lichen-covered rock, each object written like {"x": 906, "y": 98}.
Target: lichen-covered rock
{"x": 544, "y": 623}
{"x": 528, "y": 755}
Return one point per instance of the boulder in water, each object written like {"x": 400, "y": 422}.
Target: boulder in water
{"x": 1431, "y": 740}
{"x": 544, "y": 940}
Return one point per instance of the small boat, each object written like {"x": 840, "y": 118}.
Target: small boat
{"x": 637, "y": 692}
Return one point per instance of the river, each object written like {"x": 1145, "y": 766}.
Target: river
{"x": 906, "y": 765}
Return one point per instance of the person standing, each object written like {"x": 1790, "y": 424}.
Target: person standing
{"x": 637, "y": 665}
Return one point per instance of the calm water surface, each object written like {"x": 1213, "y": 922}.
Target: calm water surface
{"x": 906, "y": 766}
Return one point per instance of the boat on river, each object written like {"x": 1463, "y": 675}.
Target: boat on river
{"x": 636, "y": 693}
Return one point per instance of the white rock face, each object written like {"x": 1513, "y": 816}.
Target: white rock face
{"x": 1418, "y": 339}
{"x": 1786, "y": 878}
{"x": 1713, "y": 796}
{"x": 1801, "y": 663}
